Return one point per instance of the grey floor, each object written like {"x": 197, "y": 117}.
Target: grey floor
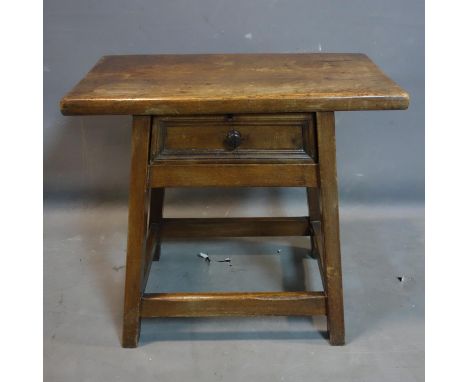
{"x": 383, "y": 265}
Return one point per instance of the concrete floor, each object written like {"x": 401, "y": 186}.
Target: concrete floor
{"x": 84, "y": 257}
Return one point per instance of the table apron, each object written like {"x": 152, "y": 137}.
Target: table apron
{"x": 234, "y": 175}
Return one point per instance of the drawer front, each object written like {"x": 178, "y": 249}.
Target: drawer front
{"x": 275, "y": 136}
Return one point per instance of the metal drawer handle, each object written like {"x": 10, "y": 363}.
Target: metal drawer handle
{"x": 233, "y": 139}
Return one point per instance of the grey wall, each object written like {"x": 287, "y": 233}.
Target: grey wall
{"x": 381, "y": 154}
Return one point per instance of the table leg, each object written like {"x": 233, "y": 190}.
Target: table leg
{"x": 313, "y": 203}
{"x": 155, "y": 217}
{"x": 330, "y": 226}
{"x": 137, "y": 229}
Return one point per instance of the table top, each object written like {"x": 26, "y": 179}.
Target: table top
{"x": 233, "y": 83}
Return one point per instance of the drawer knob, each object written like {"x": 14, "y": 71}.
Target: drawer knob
{"x": 233, "y": 139}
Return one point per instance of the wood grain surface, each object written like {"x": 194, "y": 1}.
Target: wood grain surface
{"x": 263, "y": 136}
{"x": 137, "y": 229}
{"x": 180, "y": 174}
{"x": 233, "y": 304}
{"x": 235, "y": 227}
{"x": 224, "y": 83}
{"x": 330, "y": 227}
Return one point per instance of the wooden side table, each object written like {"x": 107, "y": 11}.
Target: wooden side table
{"x": 233, "y": 120}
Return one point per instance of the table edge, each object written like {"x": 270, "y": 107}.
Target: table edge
{"x": 75, "y": 106}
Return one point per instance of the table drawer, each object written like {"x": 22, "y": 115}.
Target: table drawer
{"x": 244, "y": 136}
